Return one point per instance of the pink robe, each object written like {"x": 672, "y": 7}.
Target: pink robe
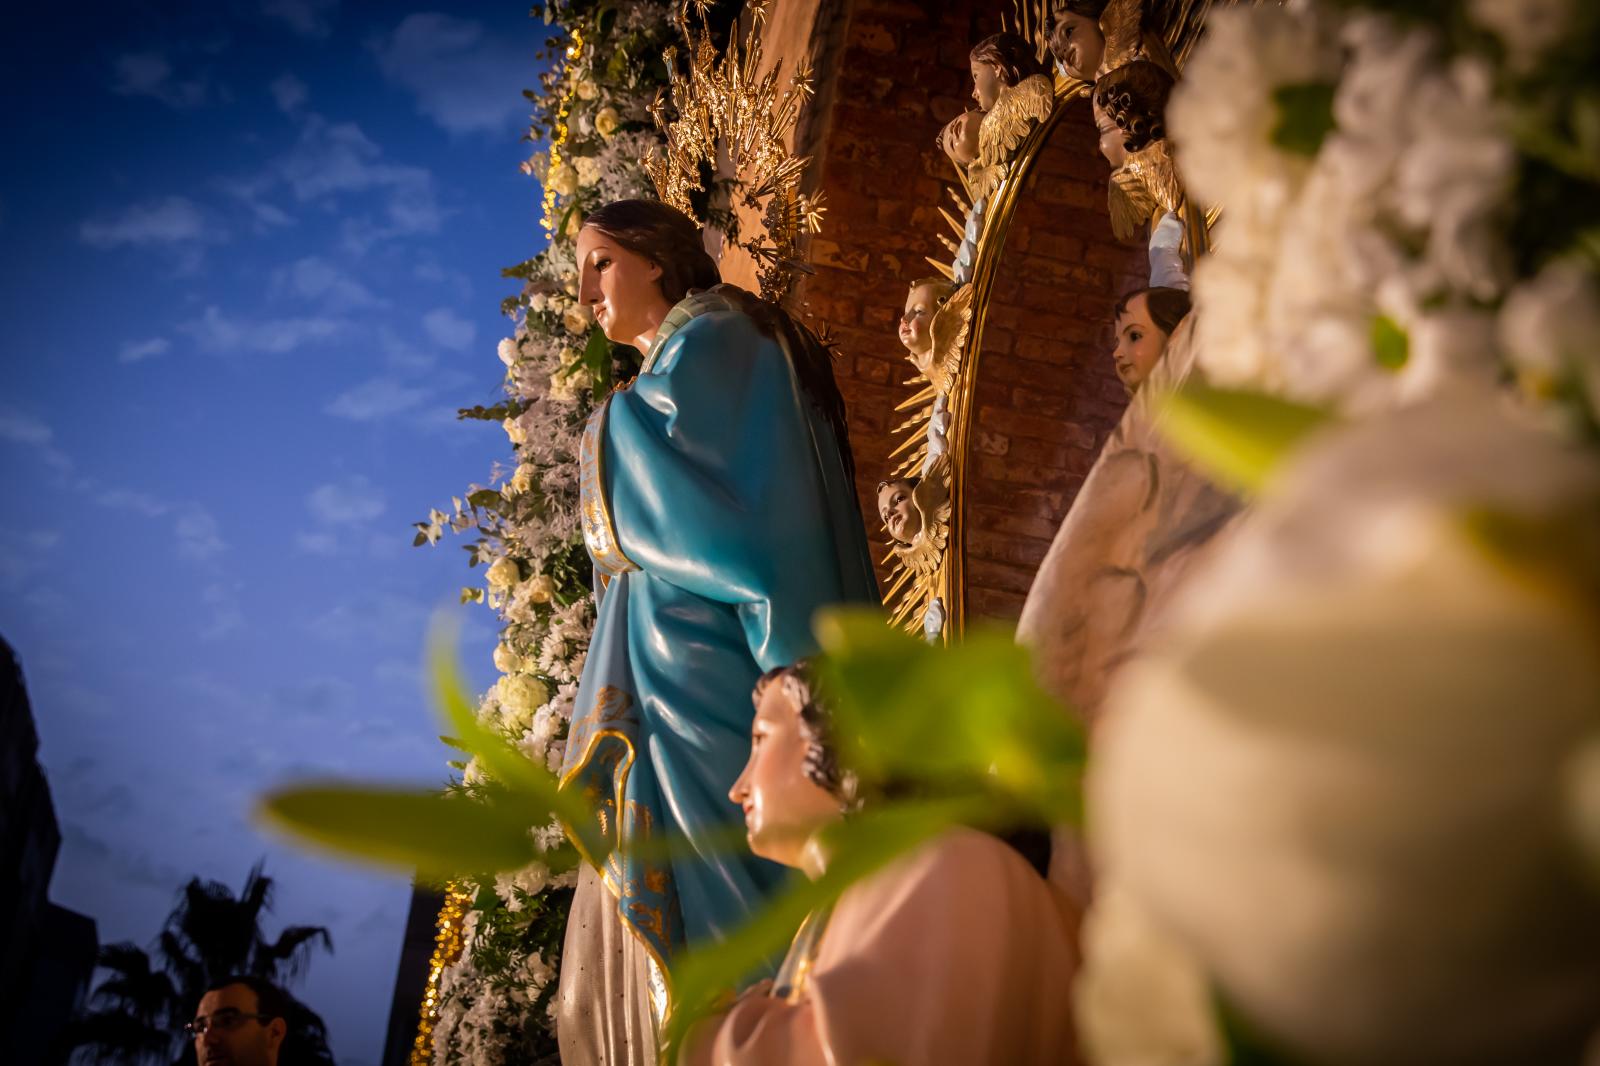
{"x": 959, "y": 954}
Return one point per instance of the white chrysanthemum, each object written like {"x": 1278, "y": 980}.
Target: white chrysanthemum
{"x": 1550, "y": 328}
{"x": 1337, "y": 779}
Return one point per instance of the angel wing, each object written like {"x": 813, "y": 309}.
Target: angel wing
{"x": 1144, "y": 186}
{"x": 1122, "y": 25}
{"x": 1015, "y": 113}
{"x": 949, "y": 332}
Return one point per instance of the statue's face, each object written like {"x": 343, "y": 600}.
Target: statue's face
{"x": 1077, "y": 42}
{"x": 1139, "y": 343}
{"x": 622, "y": 288}
{"x": 899, "y": 511}
{"x": 960, "y": 138}
{"x": 921, "y": 303}
{"x": 783, "y": 807}
{"x": 1113, "y": 142}
{"x": 986, "y": 84}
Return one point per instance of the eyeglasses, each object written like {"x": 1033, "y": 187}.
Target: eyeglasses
{"x": 224, "y": 1020}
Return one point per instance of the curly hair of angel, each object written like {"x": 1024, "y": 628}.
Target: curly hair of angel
{"x": 1134, "y": 96}
{"x": 1167, "y": 306}
{"x": 799, "y": 683}
{"x": 1014, "y": 56}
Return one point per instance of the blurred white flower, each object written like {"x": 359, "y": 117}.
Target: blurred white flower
{"x": 506, "y": 659}
{"x": 588, "y": 169}
{"x": 1335, "y": 779}
{"x": 503, "y": 573}
{"x": 577, "y": 321}
{"x": 540, "y": 588}
{"x": 507, "y": 350}
{"x": 1528, "y": 28}
{"x": 520, "y": 696}
{"x": 563, "y": 179}
{"x": 514, "y": 430}
{"x": 586, "y": 89}
{"x": 606, "y": 121}
{"x": 1549, "y": 328}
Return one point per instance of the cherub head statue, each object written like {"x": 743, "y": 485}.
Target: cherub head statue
{"x": 897, "y": 507}
{"x": 1072, "y": 28}
{"x": 1130, "y": 106}
{"x": 999, "y": 62}
{"x": 636, "y": 258}
{"x": 793, "y": 784}
{"x": 923, "y": 301}
{"x": 959, "y": 138}
{"x": 1145, "y": 321}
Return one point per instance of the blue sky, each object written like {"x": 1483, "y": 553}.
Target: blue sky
{"x": 251, "y": 267}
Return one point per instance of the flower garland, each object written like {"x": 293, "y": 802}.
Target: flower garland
{"x": 495, "y": 1001}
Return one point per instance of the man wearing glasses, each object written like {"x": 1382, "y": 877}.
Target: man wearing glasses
{"x": 240, "y": 1022}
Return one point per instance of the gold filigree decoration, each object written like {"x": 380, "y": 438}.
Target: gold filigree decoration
{"x": 726, "y": 114}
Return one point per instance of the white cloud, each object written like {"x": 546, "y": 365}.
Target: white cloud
{"x": 352, "y": 501}
{"x": 308, "y": 18}
{"x": 197, "y": 533}
{"x": 332, "y": 159}
{"x": 139, "y": 351}
{"x": 289, "y": 92}
{"x": 131, "y": 500}
{"x": 225, "y": 615}
{"x": 20, "y": 428}
{"x": 172, "y": 221}
{"x": 466, "y": 80}
{"x": 217, "y": 332}
{"x": 319, "y": 281}
{"x": 449, "y": 329}
{"x": 317, "y": 543}
{"x": 376, "y": 398}
{"x": 150, "y": 74}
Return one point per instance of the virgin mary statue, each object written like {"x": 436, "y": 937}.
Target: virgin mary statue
{"x": 720, "y": 510}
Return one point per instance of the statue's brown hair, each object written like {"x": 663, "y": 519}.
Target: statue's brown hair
{"x": 1135, "y": 97}
{"x": 1167, "y": 306}
{"x": 665, "y": 236}
{"x": 1014, "y": 56}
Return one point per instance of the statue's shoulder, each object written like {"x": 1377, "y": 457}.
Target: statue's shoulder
{"x": 710, "y": 317}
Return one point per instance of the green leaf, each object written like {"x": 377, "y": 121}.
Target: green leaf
{"x": 439, "y": 835}
{"x": 535, "y": 786}
{"x": 1390, "y": 344}
{"x": 1238, "y": 438}
{"x": 1305, "y": 116}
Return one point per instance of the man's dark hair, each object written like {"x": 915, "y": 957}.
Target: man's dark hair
{"x": 270, "y": 999}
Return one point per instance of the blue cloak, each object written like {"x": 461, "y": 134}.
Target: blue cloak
{"x": 719, "y": 515}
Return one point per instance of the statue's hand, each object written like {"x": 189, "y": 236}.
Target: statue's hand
{"x": 933, "y": 619}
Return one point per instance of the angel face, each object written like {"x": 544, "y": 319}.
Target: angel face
{"x": 898, "y": 509}
{"x": 1140, "y": 342}
{"x": 1113, "y": 142}
{"x": 960, "y": 138}
{"x": 1077, "y": 42}
{"x": 986, "y": 84}
{"x": 621, "y": 287}
{"x": 783, "y": 805}
{"x": 921, "y": 303}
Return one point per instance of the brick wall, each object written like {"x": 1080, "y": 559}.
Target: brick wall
{"x": 891, "y": 74}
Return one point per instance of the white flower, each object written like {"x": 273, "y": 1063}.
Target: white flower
{"x": 563, "y": 179}
{"x": 588, "y": 169}
{"x": 520, "y": 696}
{"x": 586, "y": 89}
{"x": 539, "y": 302}
{"x": 1140, "y": 998}
{"x": 514, "y": 431}
{"x": 1334, "y": 780}
{"x": 540, "y": 588}
{"x": 577, "y": 321}
{"x": 507, "y": 350}
{"x": 1528, "y": 28}
{"x": 606, "y": 121}
{"x": 503, "y": 573}
{"x": 506, "y": 659}
{"x": 522, "y": 478}
{"x": 1550, "y": 327}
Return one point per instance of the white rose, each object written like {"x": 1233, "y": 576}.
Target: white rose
{"x": 507, "y": 350}
{"x": 520, "y": 696}
{"x": 606, "y": 121}
{"x": 586, "y": 89}
{"x": 577, "y": 320}
{"x": 1550, "y": 326}
{"x": 564, "y": 387}
{"x": 506, "y": 660}
{"x": 588, "y": 168}
{"x": 514, "y": 430}
{"x": 1334, "y": 779}
{"x": 563, "y": 179}
{"x": 541, "y": 588}
{"x": 539, "y": 302}
{"x": 522, "y": 479}
{"x": 503, "y": 573}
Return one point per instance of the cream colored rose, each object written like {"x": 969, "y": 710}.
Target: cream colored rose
{"x": 507, "y": 350}
{"x": 563, "y": 179}
{"x": 514, "y": 431}
{"x": 606, "y": 121}
{"x": 506, "y": 660}
{"x": 588, "y": 168}
{"x": 577, "y": 320}
{"x": 1334, "y": 780}
{"x": 541, "y": 588}
{"x": 520, "y": 696}
{"x": 586, "y": 89}
{"x": 503, "y": 573}
{"x": 521, "y": 479}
